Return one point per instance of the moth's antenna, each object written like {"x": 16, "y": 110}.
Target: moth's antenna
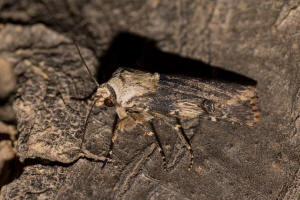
{"x": 84, "y": 63}
{"x": 77, "y": 47}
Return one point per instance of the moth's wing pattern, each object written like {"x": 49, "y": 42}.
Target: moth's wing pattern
{"x": 190, "y": 97}
{"x": 143, "y": 96}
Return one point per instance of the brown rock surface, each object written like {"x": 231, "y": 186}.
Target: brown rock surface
{"x": 7, "y": 78}
{"x": 254, "y": 38}
{"x": 7, "y": 152}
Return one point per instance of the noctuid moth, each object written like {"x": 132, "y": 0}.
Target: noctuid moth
{"x": 139, "y": 97}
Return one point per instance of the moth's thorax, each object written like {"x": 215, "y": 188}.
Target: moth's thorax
{"x": 129, "y": 84}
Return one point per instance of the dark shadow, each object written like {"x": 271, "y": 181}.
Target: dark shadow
{"x": 134, "y": 51}
{"x": 11, "y": 170}
{"x": 4, "y": 136}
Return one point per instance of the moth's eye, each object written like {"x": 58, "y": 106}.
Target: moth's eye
{"x": 108, "y": 102}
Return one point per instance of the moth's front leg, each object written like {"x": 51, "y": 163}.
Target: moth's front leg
{"x": 126, "y": 123}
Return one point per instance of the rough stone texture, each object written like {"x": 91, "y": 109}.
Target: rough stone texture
{"x": 36, "y": 182}
{"x": 257, "y": 39}
{"x": 44, "y": 111}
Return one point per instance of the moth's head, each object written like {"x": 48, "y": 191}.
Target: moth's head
{"x": 104, "y": 97}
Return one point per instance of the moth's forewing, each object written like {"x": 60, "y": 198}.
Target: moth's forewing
{"x": 214, "y": 99}
{"x": 188, "y": 97}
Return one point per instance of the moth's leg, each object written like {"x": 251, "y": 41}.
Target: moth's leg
{"x": 185, "y": 141}
{"x": 141, "y": 119}
{"x": 151, "y": 131}
{"x": 117, "y": 124}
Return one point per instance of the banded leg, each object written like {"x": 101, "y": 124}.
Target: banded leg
{"x": 150, "y": 130}
{"x": 113, "y": 140}
{"x": 185, "y": 141}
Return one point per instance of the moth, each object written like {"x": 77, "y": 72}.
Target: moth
{"x": 139, "y": 97}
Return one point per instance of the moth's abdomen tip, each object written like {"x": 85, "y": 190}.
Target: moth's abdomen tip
{"x": 256, "y": 117}
{"x": 255, "y": 109}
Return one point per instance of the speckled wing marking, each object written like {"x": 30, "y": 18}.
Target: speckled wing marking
{"x": 189, "y": 97}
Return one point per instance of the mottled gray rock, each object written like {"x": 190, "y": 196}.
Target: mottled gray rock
{"x": 45, "y": 112}
{"x": 254, "y": 38}
{"x": 36, "y": 182}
